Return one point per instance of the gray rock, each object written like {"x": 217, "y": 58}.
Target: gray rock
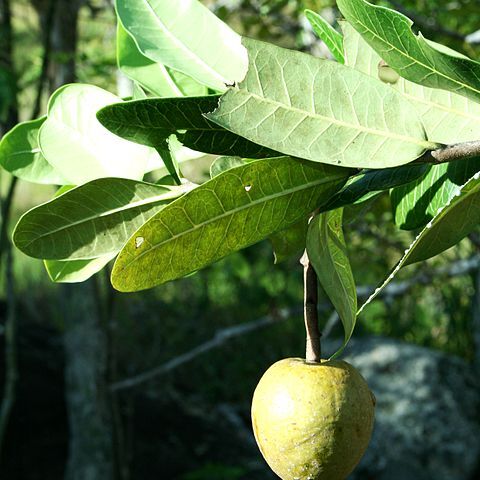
{"x": 427, "y": 416}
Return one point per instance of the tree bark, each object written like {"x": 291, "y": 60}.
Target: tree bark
{"x": 476, "y": 317}
{"x": 85, "y": 343}
{"x": 64, "y": 37}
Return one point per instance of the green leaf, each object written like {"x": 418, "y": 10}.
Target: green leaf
{"x": 224, "y": 163}
{"x": 91, "y": 220}
{"x": 374, "y": 181}
{"x": 153, "y": 120}
{"x": 450, "y": 225}
{"x": 320, "y": 110}
{"x": 448, "y": 117}
{"x": 332, "y": 39}
{"x": 231, "y": 211}
{"x": 328, "y": 254}
{"x": 170, "y": 161}
{"x": 74, "y": 271}
{"x": 21, "y": 156}
{"x": 187, "y": 37}
{"x": 411, "y": 56}
{"x": 155, "y": 77}
{"x": 79, "y": 147}
{"x": 290, "y": 241}
{"x": 415, "y": 204}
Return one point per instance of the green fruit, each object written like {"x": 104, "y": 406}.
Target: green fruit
{"x": 312, "y": 421}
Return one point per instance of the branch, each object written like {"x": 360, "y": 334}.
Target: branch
{"x": 449, "y": 153}
{"x": 313, "y": 353}
{"x": 221, "y": 337}
{"x": 461, "y": 267}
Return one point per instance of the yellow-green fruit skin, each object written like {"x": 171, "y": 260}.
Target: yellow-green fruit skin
{"x": 312, "y": 421}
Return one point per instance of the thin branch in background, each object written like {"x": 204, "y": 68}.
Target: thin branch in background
{"x": 220, "y": 338}
{"x": 455, "y": 269}
{"x": 11, "y": 367}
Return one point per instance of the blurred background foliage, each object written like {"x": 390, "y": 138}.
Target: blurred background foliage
{"x": 147, "y": 329}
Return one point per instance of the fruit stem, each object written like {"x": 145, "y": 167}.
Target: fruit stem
{"x": 313, "y": 353}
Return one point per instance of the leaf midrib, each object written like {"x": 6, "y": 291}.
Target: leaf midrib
{"x": 381, "y": 133}
{"x": 251, "y": 204}
{"x": 182, "y": 45}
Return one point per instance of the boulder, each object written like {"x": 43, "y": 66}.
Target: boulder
{"x": 427, "y": 415}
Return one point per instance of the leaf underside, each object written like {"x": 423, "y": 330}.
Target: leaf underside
{"x": 320, "y": 110}
{"x": 411, "y": 56}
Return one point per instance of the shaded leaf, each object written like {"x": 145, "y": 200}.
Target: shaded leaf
{"x": 289, "y": 242}
{"x": 187, "y": 37}
{"x": 170, "y": 161}
{"x": 74, "y": 271}
{"x": 221, "y": 164}
{"x": 91, "y": 220}
{"x": 448, "y": 117}
{"x": 153, "y": 120}
{"x": 332, "y": 39}
{"x": 21, "y": 156}
{"x": 79, "y": 147}
{"x": 372, "y": 182}
{"x": 327, "y": 252}
{"x": 450, "y": 225}
{"x": 231, "y": 211}
{"x": 320, "y": 110}
{"x": 155, "y": 77}
{"x": 411, "y": 56}
{"x": 415, "y": 204}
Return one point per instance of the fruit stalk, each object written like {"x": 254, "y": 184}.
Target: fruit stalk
{"x": 313, "y": 352}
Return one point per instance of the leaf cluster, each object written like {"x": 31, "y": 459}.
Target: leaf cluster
{"x": 296, "y": 138}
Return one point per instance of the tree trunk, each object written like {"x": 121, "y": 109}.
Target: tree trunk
{"x": 8, "y": 104}
{"x": 64, "y": 36}
{"x": 476, "y": 317}
{"x": 85, "y": 342}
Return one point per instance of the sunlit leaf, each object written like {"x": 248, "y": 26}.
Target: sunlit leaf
{"x": 411, "y": 56}
{"x": 21, "y": 156}
{"x": 74, "y": 271}
{"x": 79, "y": 147}
{"x": 448, "y": 117}
{"x": 320, "y": 110}
{"x": 332, "y": 39}
{"x": 153, "y": 76}
{"x": 187, "y": 37}
{"x": 235, "y": 209}
{"x": 91, "y": 220}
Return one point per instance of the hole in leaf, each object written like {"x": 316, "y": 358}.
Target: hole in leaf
{"x": 139, "y": 241}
